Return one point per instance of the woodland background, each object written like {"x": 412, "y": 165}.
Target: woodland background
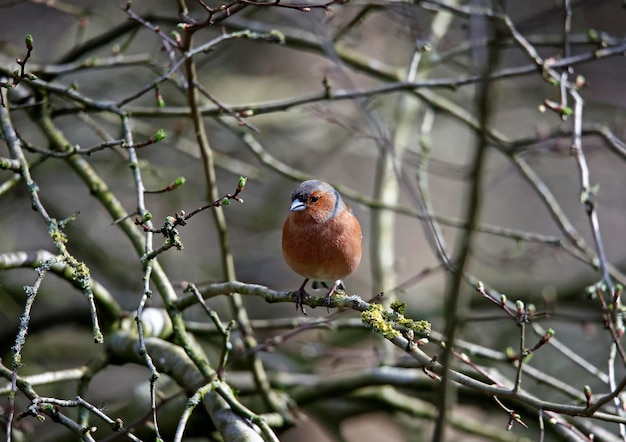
{"x": 480, "y": 144}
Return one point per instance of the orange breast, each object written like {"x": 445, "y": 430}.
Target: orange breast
{"x": 325, "y": 251}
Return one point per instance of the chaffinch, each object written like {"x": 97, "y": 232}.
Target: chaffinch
{"x": 321, "y": 236}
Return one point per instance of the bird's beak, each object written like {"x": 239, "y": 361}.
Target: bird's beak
{"x": 297, "y": 206}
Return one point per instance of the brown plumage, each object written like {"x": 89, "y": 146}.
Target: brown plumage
{"x": 321, "y": 236}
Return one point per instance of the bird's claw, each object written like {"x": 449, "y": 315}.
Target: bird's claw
{"x": 330, "y": 294}
{"x": 301, "y": 295}
{"x": 329, "y": 301}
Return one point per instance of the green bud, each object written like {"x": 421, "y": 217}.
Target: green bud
{"x": 147, "y": 217}
{"x": 180, "y": 181}
{"x": 225, "y": 201}
{"x": 159, "y": 135}
{"x": 242, "y": 183}
{"x": 29, "y": 41}
{"x": 31, "y": 77}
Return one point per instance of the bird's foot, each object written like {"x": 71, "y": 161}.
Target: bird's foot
{"x": 301, "y": 295}
{"x": 330, "y": 293}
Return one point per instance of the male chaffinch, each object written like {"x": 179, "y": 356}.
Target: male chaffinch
{"x": 321, "y": 236}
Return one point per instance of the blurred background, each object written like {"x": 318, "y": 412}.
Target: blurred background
{"x": 373, "y": 147}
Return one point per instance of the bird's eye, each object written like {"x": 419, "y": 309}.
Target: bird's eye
{"x": 314, "y": 199}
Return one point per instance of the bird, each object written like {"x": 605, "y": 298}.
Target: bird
{"x": 321, "y": 237}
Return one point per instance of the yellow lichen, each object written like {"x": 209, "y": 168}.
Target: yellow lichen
{"x": 58, "y": 237}
{"x": 382, "y": 321}
{"x": 374, "y": 317}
